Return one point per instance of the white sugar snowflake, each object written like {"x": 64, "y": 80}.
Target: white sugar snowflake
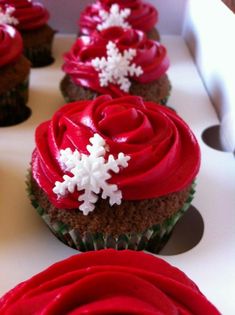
{"x": 117, "y": 67}
{"x": 90, "y": 173}
{"x": 115, "y": 17}
{"x": 7, "y": 18}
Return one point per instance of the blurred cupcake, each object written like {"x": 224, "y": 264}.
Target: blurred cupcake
{"x": 14, "y": 77}
{"x": 113, "y": 173}
{"x": 106, "y": 13}
{"x": 116, "y": 61}
{"x": 128, "y": 282}
{"x": 31, "y": 18}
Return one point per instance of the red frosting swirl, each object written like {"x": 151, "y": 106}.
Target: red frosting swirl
{"x": 143, "y": 15}
{"x": 11, "y": 45}
{"x": 30, "y": 15}
{"x": 164, "y": 153}
{"x": 108, "y": 282}
{"x": 150, "y": 55}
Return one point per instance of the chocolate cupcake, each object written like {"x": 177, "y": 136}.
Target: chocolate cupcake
{"x": 113, "y": 173}
{"x": 14, "y": 77}
{"x": 31, "y": 18}
{"x": 136, "y": 14}
{"x": 108, "y": 282}
{"x": 116, "y": 61}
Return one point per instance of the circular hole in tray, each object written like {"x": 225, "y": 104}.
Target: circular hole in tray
{"x": 186, "y": 234}
{"x": 212, "y": 137}
{"x": 12, "y": 121}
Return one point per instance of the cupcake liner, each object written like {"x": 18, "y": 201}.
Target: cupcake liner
{"x": 164, "y": 100}
{"x": 13, "y": 107}
{"x": 39, "y": 56}
{"x": 152, "y": 239}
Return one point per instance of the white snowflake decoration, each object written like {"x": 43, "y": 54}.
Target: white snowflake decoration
{"x": 7, "y": 18}
{"x": 115, "y": 17}
{"x": 90, "y": 173}
{"x": 117, "y": 67}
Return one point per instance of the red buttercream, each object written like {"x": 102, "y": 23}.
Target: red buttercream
{"x": 143, "y": 15}
{"x": 108, "y": 282}
{"x": 31, "y": 15}
{"x": 164, "y": 153}
{"x": 11, "y": 45}
{"x": 150, "y": 55}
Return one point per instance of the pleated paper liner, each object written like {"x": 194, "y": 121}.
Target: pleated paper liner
{"x": 153, "y": 239}
{"x": 40, "y": 56}
{"x": 13, "y": 109}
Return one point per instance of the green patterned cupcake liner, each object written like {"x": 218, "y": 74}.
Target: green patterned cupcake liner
{"x": 13, "y": 107}
{"x": 153, "y": 239}
{"x": 39, "y": 56}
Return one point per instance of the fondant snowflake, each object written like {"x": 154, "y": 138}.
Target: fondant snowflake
{"x": 6, "y": 16}
{"x": 90, "y": 174}
{"x": 116, "y": 67}
{"x": 115, "y": 17}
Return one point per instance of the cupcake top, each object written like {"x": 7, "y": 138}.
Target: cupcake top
{"x": 108, "y": 61}
{"x": 11, "y": 45}
{"x": 25, "y": 14}
{"x": 135, "y": 13}
{"x": 108, "y": 282}
{"x": 123, "y": 148}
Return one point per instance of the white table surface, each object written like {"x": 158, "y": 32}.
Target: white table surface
{"x": 26, "y": 244}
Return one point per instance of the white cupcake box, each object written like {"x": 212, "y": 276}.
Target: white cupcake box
{"x": 202, "y": 64}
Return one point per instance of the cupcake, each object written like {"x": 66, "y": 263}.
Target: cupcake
{"x": 14, "y": 77}
{"x": 118, "y": 62}
{"x": 113, "y": 173}
{"x": 31, "y": 18}
{"x": 128, "y": 282}
{"x": 133, "y": 13}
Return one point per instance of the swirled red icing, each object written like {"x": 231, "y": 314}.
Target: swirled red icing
{"x": 164, "y": 153}
{"x": 30, "y": 15}
{"x": 11, "y": 45}
{"x": 143, "y": 15}
{"x": 150, "y": 55}
{"x": 108, "y": 282}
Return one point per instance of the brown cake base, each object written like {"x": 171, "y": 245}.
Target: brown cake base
{"x": 144, "y": 224}
{"x": 157, "y": 91}
{"x": 14, "y": 80}
{"x": 154, "y": 35}
{"x": 13, "y": 74}
{"x": 38, "y": 45}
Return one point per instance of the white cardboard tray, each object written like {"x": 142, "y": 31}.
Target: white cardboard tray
{"x": 26, "y": 244}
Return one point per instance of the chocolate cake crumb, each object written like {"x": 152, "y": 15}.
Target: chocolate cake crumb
{"x": 73, "y": 92}
{"x": 130, "y": 216}
{"x": 154, "y": 34}
{"x": 156, "y": 91}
